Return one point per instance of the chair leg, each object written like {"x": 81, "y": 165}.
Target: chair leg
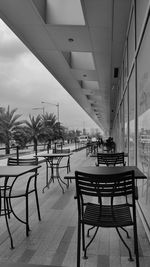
{"x": 88, "y": 231}
{"x": 83, "y": 237}
{"x": 130, "y": 255}
{"x": 125, "y": 232}
{"x": 27, "y": 216}
{"x": 37, "y": 203}
{"x": 7, "y": 224}
{"x": 78, "y": 244}
{"x": 85, "y": 256}
{"x": 136, "y": 245}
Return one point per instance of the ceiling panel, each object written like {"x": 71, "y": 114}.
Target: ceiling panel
{"x": 98, "y": 12}
{"x": 87, "y": 75}
{"x": 82, "y": 60}
{"x": 62, "y": 34}
{"x": 66, "y": 12}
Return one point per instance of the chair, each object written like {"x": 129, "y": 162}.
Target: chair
{"x": 110, "y": 159}
{"x": 30, "y": 187}
{"x": 22, "y": 161}
{"x": 117, "y": 213}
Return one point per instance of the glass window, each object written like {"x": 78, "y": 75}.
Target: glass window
{"x": 131, "y": 42}
{"x": 121, "y": 83}
{"x": 141, "y": 6}
{"x": 132, "y": 119}
{"x": 143, "y": 87}
{"x": 121, "y": 128}
{"x": 126, "y": 122}
{"x": 125, "y": 68}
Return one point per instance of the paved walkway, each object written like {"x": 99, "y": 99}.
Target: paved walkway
{"x": 52, "y": 241}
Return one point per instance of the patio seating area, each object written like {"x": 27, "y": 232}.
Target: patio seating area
{"x": 53, "y": 240}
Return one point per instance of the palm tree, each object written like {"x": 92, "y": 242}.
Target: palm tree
{"x": 22, "y": 136}
{"x": 8, "y": 126}
{"x": 34, "y": 129}
{"x": 48, "y": 125}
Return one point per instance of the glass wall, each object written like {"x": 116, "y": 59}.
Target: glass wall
{"x": 121, "y": 128}
{"x": 141, "y": 8}
{"x": 125, "y": 68}
{"x": 143, "y": 89}
{"x": 126, "y": 121}
{"x": 132, "y": 118}
{"x": 134, "y": 103}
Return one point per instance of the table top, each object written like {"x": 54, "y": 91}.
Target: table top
{"x": 54, "y": 155}
{"x": 14, "y": 171}
{"x": 112, "y": 170}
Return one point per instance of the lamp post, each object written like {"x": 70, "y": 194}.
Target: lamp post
{"x": 39, "y": 108}
{"x": 56, "y": 105}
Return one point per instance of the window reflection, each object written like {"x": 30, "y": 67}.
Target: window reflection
{"x": 143, "y": 86}
{"x": 125, "y": 123}
{"x": 132, "y": 119}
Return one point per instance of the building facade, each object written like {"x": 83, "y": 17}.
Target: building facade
{"x": 132, "y": 119}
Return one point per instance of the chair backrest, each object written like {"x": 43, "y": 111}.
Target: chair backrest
{"x": 57, "y": 151}
{"x": 110, "y": 159}
{"x": 100, "y": 186}
{"x": 22, "y": 161}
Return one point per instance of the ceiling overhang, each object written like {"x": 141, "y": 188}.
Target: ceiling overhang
{"x": 79, "y": 42}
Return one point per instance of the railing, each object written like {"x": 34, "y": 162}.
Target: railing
{"x": 16, "y": 151}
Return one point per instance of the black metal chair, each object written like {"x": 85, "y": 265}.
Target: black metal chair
{"x": 30, "y": 187}
{"x": 110, "y": 159}
{"x": 117, "y": 213}
{"x": 22, "y": 161}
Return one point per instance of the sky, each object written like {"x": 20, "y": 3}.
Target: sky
{"x": 25, "y": 83}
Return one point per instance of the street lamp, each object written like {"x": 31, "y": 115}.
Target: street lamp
{"x": 39, "y": 108}
{"x": 57, "y": 105}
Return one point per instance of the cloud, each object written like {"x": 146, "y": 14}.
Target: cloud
{"x": 25, "y": 82}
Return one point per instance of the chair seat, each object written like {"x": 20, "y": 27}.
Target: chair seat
{"x": 120, "y": 216}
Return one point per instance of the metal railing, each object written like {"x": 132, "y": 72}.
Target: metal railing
{"x": 17, "y": 151}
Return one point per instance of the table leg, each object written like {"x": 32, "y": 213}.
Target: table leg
{"x": 54, "y": 173}
{"x": 6, "y": 212}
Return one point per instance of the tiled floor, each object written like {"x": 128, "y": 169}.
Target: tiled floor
{"x": 52, "y": 241}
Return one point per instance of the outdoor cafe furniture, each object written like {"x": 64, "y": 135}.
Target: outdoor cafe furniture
{"x": 53, "y": 161}
{"x": 31, "y": 185}
{"x": 104, "y": 170}
{"x": 66, "y": 164}
{"x": 22, "y": 161}
{"x": 92, "y": 148}
{"x": 110, "y": 159}
{"x": 10, "y": 175}
{"x": 96, "y": 213}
